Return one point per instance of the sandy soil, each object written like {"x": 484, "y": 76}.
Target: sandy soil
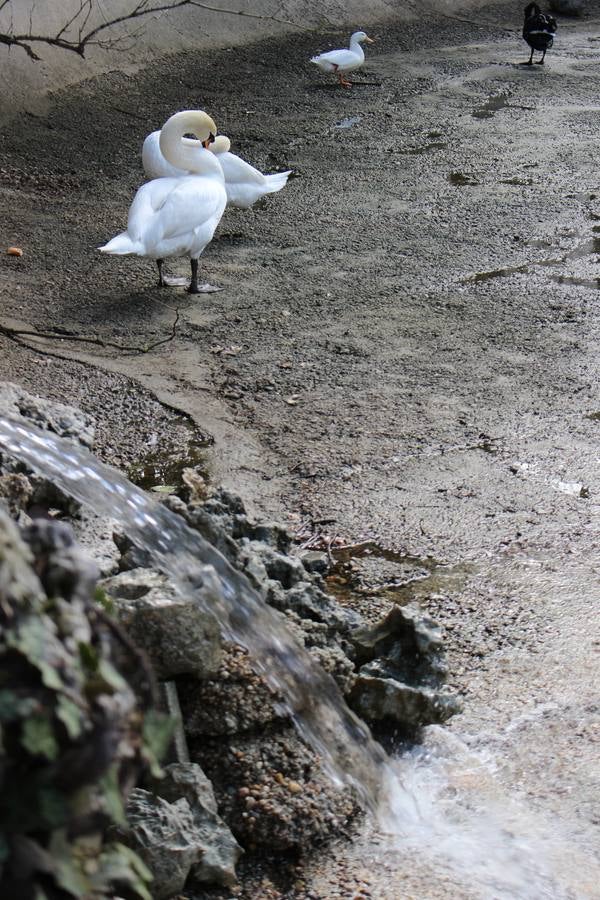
{"x": 405, "y": 344}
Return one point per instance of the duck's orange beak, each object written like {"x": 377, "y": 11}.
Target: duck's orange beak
{"x": 369, "y": 40}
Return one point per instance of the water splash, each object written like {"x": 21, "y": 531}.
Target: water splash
{"x": 344, "y": 743}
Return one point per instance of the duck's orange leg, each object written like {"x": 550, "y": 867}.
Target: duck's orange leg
{"x": 341, "y": 78}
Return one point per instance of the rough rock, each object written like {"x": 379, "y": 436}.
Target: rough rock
{"x": 220, "y": 850}
{"x": 315, "y": 561}
{"x": 66, "y": 421}
{"x": 236, "y": 700}
{"x": 16, "y": 492}
{"x": 64, "y": 570}
{"x": 165, "y": 837}
{"x": 74, "y": 738}
{"x": 272, "y": 791}
{"x": 404, "y": 649}
{"x": 408, "y": 641}
{"x": 377, "y": 697}
{"x": 178, "y": 636}
{"x": 402, "y": 672}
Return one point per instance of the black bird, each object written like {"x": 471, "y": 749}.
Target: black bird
{"x": 538, "y": 31}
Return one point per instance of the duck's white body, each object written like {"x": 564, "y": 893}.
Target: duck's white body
{"x": 243, "y": 183}
{"x": 177, "y": 215}
{"x": 339, "y": 61}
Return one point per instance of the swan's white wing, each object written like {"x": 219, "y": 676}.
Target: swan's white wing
{"x": 186, "y": 219}
{"x": 237, "y": 171}
{"x": 154, "y": 163}
{"x": 148, "y": 200}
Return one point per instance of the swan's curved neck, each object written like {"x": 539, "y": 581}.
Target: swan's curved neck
{"x": 186, "y": 153}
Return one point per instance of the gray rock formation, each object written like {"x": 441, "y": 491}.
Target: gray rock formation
{"x": 220, "y": 850}
{"x": 181, "y": 837}
{"x": 402, "y": 672}
{"x": 177, "y": 635}
{"x": 164, "y": 837}
{"x": 273, "y": 791}
{"x": 66, "y": 421}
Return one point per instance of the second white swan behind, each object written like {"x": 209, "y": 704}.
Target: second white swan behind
{"x": 244, "y": 184}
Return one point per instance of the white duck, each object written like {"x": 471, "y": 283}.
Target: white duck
{"x": 244, "y": 184}
{"x": 177, "y": 215}
{"x": 340, "y": 61}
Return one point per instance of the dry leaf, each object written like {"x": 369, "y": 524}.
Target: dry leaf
{"x": 14, "y": 251}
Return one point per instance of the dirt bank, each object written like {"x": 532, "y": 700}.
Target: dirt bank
{"x": 405, "y": 343}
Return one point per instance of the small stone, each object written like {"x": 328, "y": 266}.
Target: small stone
{"x": 294, "y": 788}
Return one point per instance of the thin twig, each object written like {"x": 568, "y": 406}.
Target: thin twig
{"x": 78, "y": 338}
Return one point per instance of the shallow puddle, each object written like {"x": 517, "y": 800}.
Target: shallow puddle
{"x": 369, "y": 570}
{"x": 418, "y": 151}
{"x": 459, "y": 179}
{"x": 496, "y": 273}
{"x": 161, "y": 470}
{"x": 491, "y": 107}
{"x": 577, "y": 282}
{"x": 348, "y": 122}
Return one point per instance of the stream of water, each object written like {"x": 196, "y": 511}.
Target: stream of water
{"x": 441, "y": 801}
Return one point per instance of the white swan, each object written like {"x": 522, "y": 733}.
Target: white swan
{"x": 177, "y": 215}
{"x": 340, "y": 61}
{"x": 244, "y": 184}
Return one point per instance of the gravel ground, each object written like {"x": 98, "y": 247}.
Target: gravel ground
{"x": 405, "y": 346}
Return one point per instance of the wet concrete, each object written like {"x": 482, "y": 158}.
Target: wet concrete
{"x": 426, "y": 289}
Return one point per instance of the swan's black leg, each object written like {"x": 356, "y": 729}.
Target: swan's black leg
{"x": 193, "y": 288}
{"x": 161, "y": 280}
{"x": 196, "y": 288}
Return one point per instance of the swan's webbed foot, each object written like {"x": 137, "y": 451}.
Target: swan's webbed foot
{"x": 196, "y": 288}
{"x": 169, "y": 280}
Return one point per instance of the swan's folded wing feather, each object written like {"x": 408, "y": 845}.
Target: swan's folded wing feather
{"x": 238, "y": 171}
{"x": 192, "y": 203}
{"x": 146, "y": 203}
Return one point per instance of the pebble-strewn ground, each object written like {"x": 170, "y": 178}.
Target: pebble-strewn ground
{"x": 405, "y": 346}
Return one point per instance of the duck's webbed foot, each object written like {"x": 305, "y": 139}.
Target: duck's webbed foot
{"x": 196, "y": 288}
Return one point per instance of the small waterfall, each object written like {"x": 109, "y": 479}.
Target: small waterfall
{"x": 344, "y": 743}
{"x": 441, "y": 802}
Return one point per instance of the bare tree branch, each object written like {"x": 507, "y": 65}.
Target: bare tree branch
{"x": 87, "y": 36}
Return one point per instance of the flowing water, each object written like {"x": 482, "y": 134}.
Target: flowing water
{"x": 441, "y": 801}
{"x": 200, "y": 571}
